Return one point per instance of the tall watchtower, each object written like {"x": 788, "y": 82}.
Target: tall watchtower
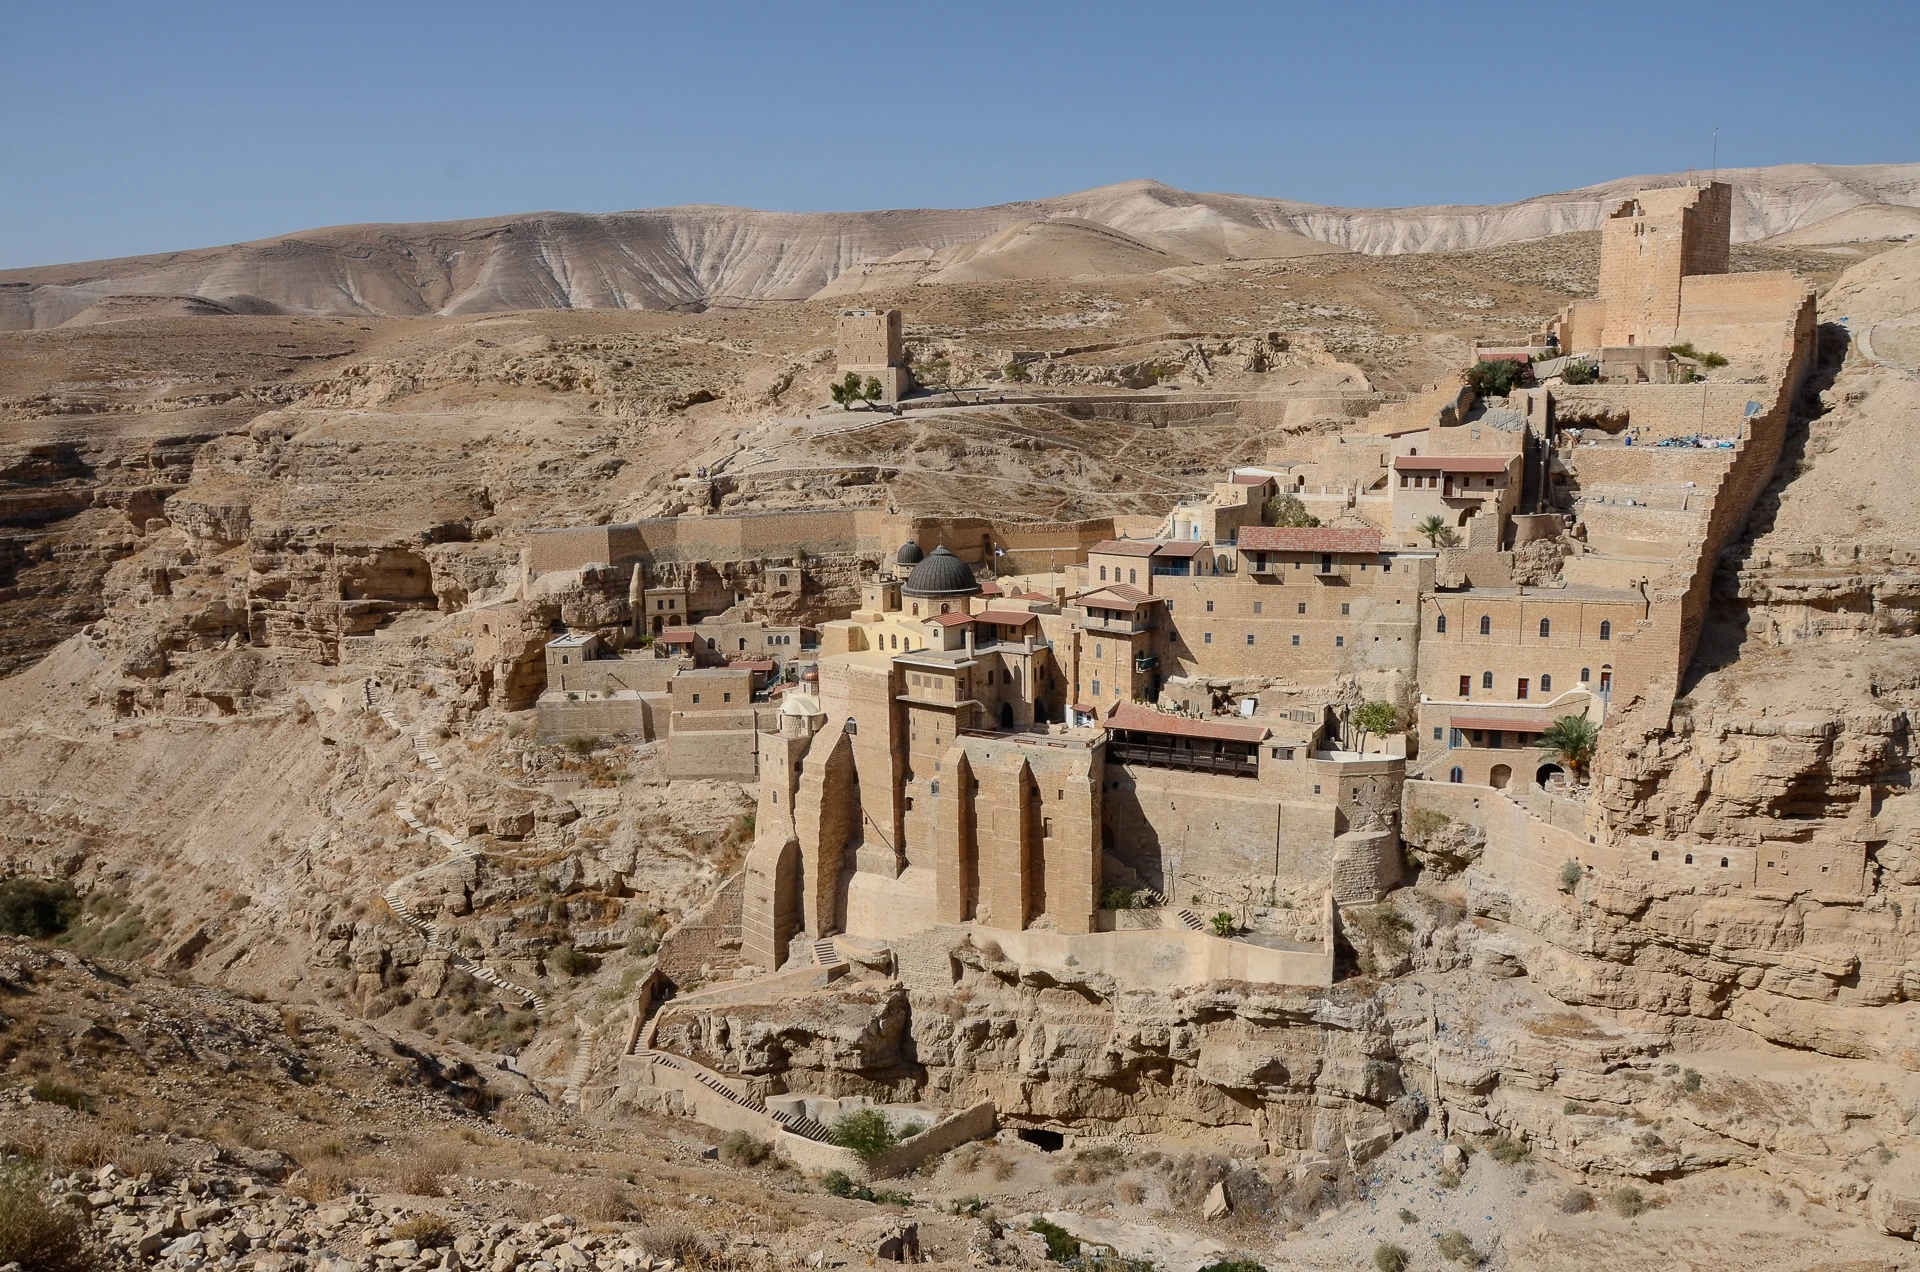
{"x": 1648, "y": 243}
{"x": 870, "y": 346}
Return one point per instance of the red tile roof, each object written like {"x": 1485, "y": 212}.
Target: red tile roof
{"x": 1455, "y": 463}
{"x": 1309, "y": 539}
{"x": 989, "y": 589}
{"x": 678, "y": 636}
{"x": 951, "y": 620}
{"x": 1124, "y": 547}
{"x": 1188, "y": 549}
{"x": 1138, "y": 719}
{"x": 1031, "y": 596}
{"x": 1115, "y": 596}
{"x": 1010, "y": 618}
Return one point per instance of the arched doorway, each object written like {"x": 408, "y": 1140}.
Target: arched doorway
{"x": 1499, "y": 777}
{"x": 1006, "y": 715}
{"x": 1548, "y": 772}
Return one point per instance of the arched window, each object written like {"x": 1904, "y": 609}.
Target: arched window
{"x": 1486, "y": 680}
{"x": 1486, "y": 625}
{"x": 1546, "y": 683}
{"x": 1133, "y": 576}
{"x": 944, "y": 607}
{"x": 1586, "y": 675}
{"x": 1656, "y": 854}
{"x": 1457, "y": 774}
{"x": 1103, "y": 574}
{"x": 1689, "y": 858}
{"x": 1440, "y": 624}
{"x": 1546, "y": 628}
{"x": 1606, "y": 629}
{"x": 1723, "y": 863}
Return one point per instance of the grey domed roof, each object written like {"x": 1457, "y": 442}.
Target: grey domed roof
{"x": 941, "y": 574}
{"x": 909, "y": 554}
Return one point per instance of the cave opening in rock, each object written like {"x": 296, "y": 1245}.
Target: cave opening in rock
{"x": 1045, "y": 1141}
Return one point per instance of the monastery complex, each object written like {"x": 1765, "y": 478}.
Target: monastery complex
{"x": 1083, "y": 741}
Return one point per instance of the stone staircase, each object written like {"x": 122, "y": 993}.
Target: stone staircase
{"x": 801, "y": 1125}
{"x": 582, "y": 1067}
{"x": 1188, "y": 919}
{"x": 430, "y": 931}
{"x": 826, "y": 954}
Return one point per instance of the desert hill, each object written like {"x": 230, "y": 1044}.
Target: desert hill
{"x": 697, "y": 257}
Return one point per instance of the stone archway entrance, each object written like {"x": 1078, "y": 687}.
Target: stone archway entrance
{"x": 1499, "y": 776}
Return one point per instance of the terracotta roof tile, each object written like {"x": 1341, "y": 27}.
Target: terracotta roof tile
{"x": 950, "y": 620}
{"x": 1138, "y": 719}
{"x": 1124, "y": 547}
{"x": 1309, "y": 539}
{"x": 1009, "y": 618}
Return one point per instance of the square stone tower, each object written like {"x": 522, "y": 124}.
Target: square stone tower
{"x": 871, "y": 347}
{"x": 1648, "y": 244}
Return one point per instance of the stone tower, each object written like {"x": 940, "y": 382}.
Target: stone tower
{"x": 871, "y": 347}
{"x": 1648, "y": 243}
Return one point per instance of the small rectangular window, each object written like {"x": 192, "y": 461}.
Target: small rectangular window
{"x": 1302, "y": 608}
{"x": 696, "y": 698}
{"x": 1296, "y": 638}
{"x": 1209, "y": 607}
{"x": 1249, "y": 638}
{"x": 1259, "y": 606}
{"x": 1207, "y": 639}
{"x": 1339, "y": 642}
{"x": 726, "y": 697}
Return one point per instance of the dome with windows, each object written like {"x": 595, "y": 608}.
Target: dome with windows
{"x": 941, "y": 574}
{"x": 909, "y": 554}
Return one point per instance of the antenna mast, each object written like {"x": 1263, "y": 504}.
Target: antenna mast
{"x": 1716, "y": 153}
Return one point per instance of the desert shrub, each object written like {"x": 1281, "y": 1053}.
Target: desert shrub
{"x": 985, "y": 1159}
{"x": 1017, "y": 372}
{"x": 1494, "y": 379}
{"x": 1061, "y": 1244}
{"x": 1407, "y": 1216}
{"x": 671, "y": 1239}
{"x": 110, "y": 926}
{"x": 1448, "y": 1179}
{"x": 1091, "y": 1166}
{"x": 322, "y": 1179}
{"x": 1576, "y": 1202}
{"x": 1690, "y": 1081}
{"x": 1705, "y": 359}
{"x": 1509, "y": 1151}
{"x": 568, "y": 961}
{"x": 580, "y": 744}
{"x": 837, "y": 1183}
{"x": 1627, "y": 1201}
{"x": 1191, "y": 1176}
{"x": 37, "y": 907}
{"x": 1456, "y": 1247}
{"x": 601, "y": 1201}
{"x": 1223, "y": 924}
{"x": 1117, "y": 899}
{"x": 867, "y": 1132}
{"x": 741, "y": 1148}
{"x": 423, "y": 1173}
{"x": 36, "y": 1233}
{"x": 1129, "y": 1192}
{"x": 54, "y": 1091}
{"x": 428, "y": 1230}
{"x": 1570, "y": 876}
{"x": 1234, "y": 1265}
{"x": 1425, "y": 822}
{"x": 1580, "y": 371}
{"x": 1389, "y": 1258}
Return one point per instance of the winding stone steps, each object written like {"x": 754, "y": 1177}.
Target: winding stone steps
{"x": 1189, "y": 919}
{"x": 430, "y": 931}
{"x": 582, "y": 1067}
{"x": 806, "y": 1127}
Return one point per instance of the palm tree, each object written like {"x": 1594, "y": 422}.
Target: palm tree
{"x": 1435, "y": 528}
{"x": 1574, "y": 739}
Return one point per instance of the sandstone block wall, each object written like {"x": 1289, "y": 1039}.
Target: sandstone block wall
{"x": 624, "y": 715}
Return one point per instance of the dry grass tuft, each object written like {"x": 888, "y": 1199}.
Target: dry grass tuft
{"x": 672, "y": 1239}
{"x": 424, "y": 1173}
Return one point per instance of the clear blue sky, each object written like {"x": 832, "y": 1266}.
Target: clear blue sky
{"x": 141, "y": 127}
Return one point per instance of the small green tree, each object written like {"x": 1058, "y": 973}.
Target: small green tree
{"x": 1579, "y": 371}
{"x": 1574, "y": 739}
{"x": 1494, "y": 379}
{"x": 851, "y": 390}
{"x": 1570, "y": 876}
{"x": 1017, "y": 372}
{"x": 865, "y": 1131}
{"x": 935, "y": 376}
{"x": 1224, "y": 924}
{"x": 37, "y": 907}
{"x": 870, "y": 391}
{"x": 1377, "y": 718}
{"x": 1390, "y": 1258}
{"x": 1285, "y": 509}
